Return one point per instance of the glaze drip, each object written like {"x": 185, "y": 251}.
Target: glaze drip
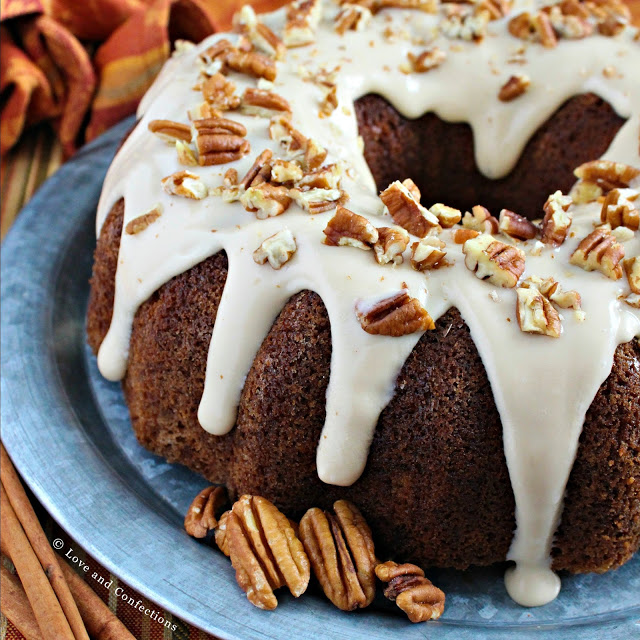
{"x": 542, "y": 387}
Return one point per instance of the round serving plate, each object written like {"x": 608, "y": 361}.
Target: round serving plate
{"x": 67, "y": 431}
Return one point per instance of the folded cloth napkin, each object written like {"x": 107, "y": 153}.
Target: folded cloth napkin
{"x": 85, "y": 65}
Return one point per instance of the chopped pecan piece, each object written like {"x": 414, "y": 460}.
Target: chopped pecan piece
{"x": 284, "y": 171}
{"x": 265, "y": 551}
{"x": 407, "y": 211}
{"x": 535, "y": 28}
{"x": 427, "y": 60}
{"x": 142, "y": 222}
{"x": 427, "y": 254}
{"x": 318, "y": 200}
{"x": 330, "y": 102}
{"x": 465, "y": 23}
{"x": 411, "y": 591}
{"x": 303, "y": 17}
{"x": 221, "y": 534}
{"x": 607, "y": 174}
{"x": 584, "y": 191}
{"x": 397, "y": 315}
{"x": 266, "y": 200}
{"x": 551, "y": 289}
{"x": 460, "y": 236}
{"x": 314, "y": 154}
{"x": 347, "y": 228}
{"x": 170, "y": 131}
{"x": 247, "y": 22}
{"x": 599, "y": 251}
{"x": 219, "y": 93}
{"x": 185, "y": 153}
{"x": 619, "y": 209}
{"x": 341, "y": 552}
{"x": 201, "y": 516}
{"x": 260, "y": 102}
{"x": 352, "y": 17}
{"x": 514, "y": 87}
{"x": 632, "y": 269}
{"x": 392, "y": 241}
{"x": 230, "y": 177}
{"x": 277, "y": 249}
{"x": 492, "y": 260}
{"x": 327, "y": 177}
{"x": 261, "y": 164}
{"x": 447, "y": 216}
{"x": 287, "y": 135}
{"x": 428, "y": 6}
{"x": 186, "y": 184}
{"x": 517, "y": 226}
{"x": 536, "y": 314}
{"x": 557, "y": 219}
{"x": 480, "y": 219}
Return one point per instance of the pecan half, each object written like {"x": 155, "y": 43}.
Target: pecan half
{"x": 219, "y": 140}
{"x": 536, "y": 314}
{"x": 251, "y": 63}
{"x": 352, "y": 17}
{"x": 517, "y": 226}
{"x": 277, "y": 249}
{"x": 557, "y": 219}
{"x": 342, "y": 555}
{"x": 347, "y": 228}
{"x": 480, "y": 219}
{"x": 170, "y": 131}
{"x": 411, "y": 591}
{"x": 427, "y": 60}
{"x": 607, "y": 174}
{"x": 392, "y": 241}
{"x": 427, "y": 254}
{"x": 397, "y": 315}
{"x": 260, "y": 102}
{"x": 265, "y": 551}
{"x": 599, "y": 251}
{"x": 632, "y": 269}
{"x": 407, "y": 211}
{"x": 514, "y": 87}
{"x": 619, "y": 209}
{"x": 220, "y": 93}
{"x": 201, "y": 516}
{"x": 492, "y": 260}
{"x": 140, "y": 223}
{"x": 186, "y": 184}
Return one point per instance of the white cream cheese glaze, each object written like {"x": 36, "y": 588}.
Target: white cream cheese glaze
{"x": 542, "y": 386}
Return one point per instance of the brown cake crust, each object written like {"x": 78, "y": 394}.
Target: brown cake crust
{"x": 436, "y": 487}
{"x": 439, "y": 155}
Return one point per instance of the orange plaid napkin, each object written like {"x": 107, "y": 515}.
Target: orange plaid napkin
{"x": 85, "y": 65}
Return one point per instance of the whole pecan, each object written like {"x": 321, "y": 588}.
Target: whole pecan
{"x": 201, "y": 516}
{"x": 411, "y": 591}
{"x": 342, "y": 555}
{"x": 265, "y": 551}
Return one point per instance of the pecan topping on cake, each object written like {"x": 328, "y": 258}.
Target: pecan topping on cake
{"x": 465, "y": 22}
{"x": 330, "y": 102}
{"x": 347, "y": 228}
{"x": 250, "y": 63}
{"x": 266, "y": 200}
{"x": 427, "y": 254}
{"x": 318, "y": 200}
{"x": 392, "y": 241}
{"x": 342, "y": 555}
{"x": 609, "y": 175}
{"x": 186, "y": 184}
{"x": 632, "y": 269}
{"x": 460, "y": 236}
{"x": 352, "y": 17}
{"x": 411, "y": 591}
{"x": 406, "y": 210}
{"x": 599, "y": 251}
{"x": 447, "y": 216}
{"x": 283, "y": 171}
{"x": 219, "y": 93}
{"x": 260, "y": 168}
{"x": 492, "y": 260}
{"x": 535, "y": 28}
{"x": 170, "y": 131}
{"x": 557, "y": 219}
{"x": 517, "y": 226}
{"x": 201, "y": 516}
{"x": 260, "y": 102}
{"x": 620, "y": 209}
{"x": 536, "y": 314}
{"x": 277, "y": 249}
{"x": 427, "y": 60}
{"x": 265, "y": 551}
{"x": 219, "y": 140}
{"x": 397, "y": 315}
{"x": 480, "y": 219}
{"x": 140, "y": 223}
{"x": 303, "y": 17}
{"x": 514, "y": 87}
{"x": 261, "y": 37}
{"x": 551, "y": 289}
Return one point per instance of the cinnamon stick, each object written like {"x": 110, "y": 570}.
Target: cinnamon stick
{"x": 101, "y": 622}
{"x": 15, "y": 605}
{"x": 32, "y": 528}
{"x": 48, "y": 612}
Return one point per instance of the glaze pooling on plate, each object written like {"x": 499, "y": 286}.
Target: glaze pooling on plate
{"x": 542, "y": 386}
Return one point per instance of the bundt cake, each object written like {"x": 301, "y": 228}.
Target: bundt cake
{"x": 342, "y": 255}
